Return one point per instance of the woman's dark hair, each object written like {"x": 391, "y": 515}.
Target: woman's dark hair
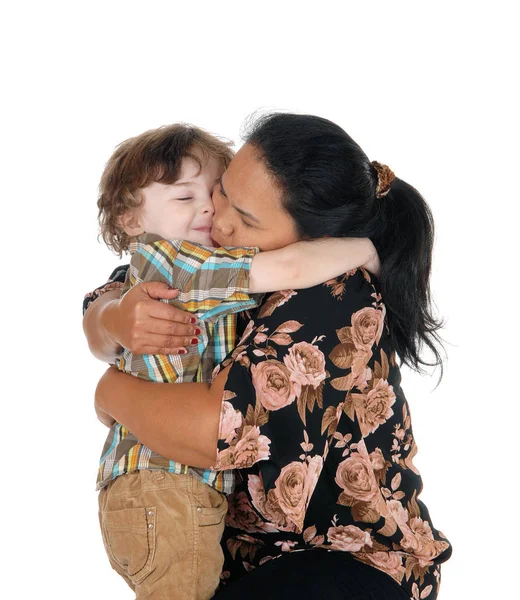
{"x": 329, "y": 189}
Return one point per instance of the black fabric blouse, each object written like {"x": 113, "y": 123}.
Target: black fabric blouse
{"x": 316, "y": 422}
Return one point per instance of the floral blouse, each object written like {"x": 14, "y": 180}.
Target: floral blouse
{"x": 315, "y": 420}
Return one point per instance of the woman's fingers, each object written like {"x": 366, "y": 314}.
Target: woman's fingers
{"x": 171, "y": 314}
{"x": 158, "y": 289}
{"x": 165, "y": 344}
{"x": 159, "y": 341}
{"x": 147, "y": 326}
{"x": 153, "y": 335}
{"x": 171, "y": 328}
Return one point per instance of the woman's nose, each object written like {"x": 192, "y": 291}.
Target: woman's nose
{"x": 225, "y": 229}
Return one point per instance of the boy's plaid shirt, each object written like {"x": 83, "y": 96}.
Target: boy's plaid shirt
{"x": 213, "y": 285}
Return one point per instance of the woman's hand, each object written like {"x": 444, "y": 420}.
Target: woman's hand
{"x": 143, "y": 325}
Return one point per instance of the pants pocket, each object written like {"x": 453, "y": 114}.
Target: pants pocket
{"x": 129, "y": 536}
{"x": 213, "y": 507}
{"x": 211, "y": 513}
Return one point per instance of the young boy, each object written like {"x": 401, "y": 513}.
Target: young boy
{"x": 162, "y": 521}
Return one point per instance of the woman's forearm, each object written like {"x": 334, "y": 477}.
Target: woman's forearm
{"x": 101, "y": 344}
{"x": 179, "y": 421}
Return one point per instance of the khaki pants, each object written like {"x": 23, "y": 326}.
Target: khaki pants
{"x": 162, "y": 534}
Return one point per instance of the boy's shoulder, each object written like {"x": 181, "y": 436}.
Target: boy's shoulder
{"x": 150, "y": 246}
{"x": 154, "y": 240}
{"x": 151, "y": 243}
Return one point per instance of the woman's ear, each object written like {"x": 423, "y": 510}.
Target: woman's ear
{"x": 130, "y": 223}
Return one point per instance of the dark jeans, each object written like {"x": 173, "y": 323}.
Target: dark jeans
{"x": 314, "y": 574}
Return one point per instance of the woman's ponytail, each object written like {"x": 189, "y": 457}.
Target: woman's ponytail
{"x": 404, "y": 241}
{"x": 330, "y": 188}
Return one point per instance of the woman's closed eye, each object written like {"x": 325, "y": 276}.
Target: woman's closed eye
{"x": 217, "y": 191}
{"x": 184, "y": 198}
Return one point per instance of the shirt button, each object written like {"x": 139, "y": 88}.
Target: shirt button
{"x": 150, "y": 526}
{"x": 199, "y": 509}
{"x": 150, "y": 513}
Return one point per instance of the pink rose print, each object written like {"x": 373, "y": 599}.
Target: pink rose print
{"x": 367, "y": 327}
{"x": 290, "y": 492}
{"x": 306, "y": 363}
{"x": 285, "y": 505}
{"x": 241, "y": 515}
{"x": 355, "y": 475}
{"x": 267, "y": 507}
{"x": 251, "y": 448}
{"x": 274, "y": 389}
{"x": 349, "y": 538}
{"x": 389, "y": 562}
{"x": 376, "y": 407}
{"x": 230, "y": 421}
{"x": 377, "y": 459}
{"x": 398, "y": 512}
{"x": 428, "y": 548}
{"x": 295, "y": 486}
{"x": 417, "y": 537}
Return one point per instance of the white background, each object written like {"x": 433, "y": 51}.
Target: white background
{"x": 428, "y": 88}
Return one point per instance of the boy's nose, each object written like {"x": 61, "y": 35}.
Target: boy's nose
{"x": 209, "y": 208}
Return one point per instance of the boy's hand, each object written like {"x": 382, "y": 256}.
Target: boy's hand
{"x": 143, "y": 325}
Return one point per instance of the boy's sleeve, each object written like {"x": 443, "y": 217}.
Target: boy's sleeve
{"x": 152, "y": 262}
{"x": 212, "y": 281}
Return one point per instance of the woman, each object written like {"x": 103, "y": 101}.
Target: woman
{"x": 309, "y": 406}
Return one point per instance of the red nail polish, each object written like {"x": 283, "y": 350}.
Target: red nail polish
{"x": 193, "y": 320}
{"x": 182, "y": 351}
{"x": 198, "y": 330}
{"x": 194, "y": 341}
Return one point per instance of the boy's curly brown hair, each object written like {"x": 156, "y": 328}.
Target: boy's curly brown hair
{"x": 155, "y": 155}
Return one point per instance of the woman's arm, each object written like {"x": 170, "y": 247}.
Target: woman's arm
{"x": 309, "y": 263}
{"x": 100, "y": 342}
{"x": 143, "y": 325}
{"x": 179, "y": 421}
{"x": 138, "y": 322}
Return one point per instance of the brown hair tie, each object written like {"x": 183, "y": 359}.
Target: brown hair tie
{"x": 385, "y": 178}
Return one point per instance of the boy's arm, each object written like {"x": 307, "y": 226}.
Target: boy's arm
{"x": 306, "y": 264}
